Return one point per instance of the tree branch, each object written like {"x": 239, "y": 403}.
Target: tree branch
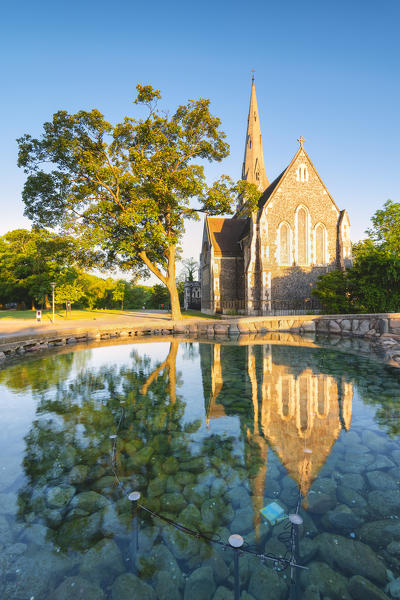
{"x": 153, "y": 268}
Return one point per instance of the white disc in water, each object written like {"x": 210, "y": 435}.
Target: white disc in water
{"x": 236, "y": 540}
{"x": 295, "y": 519}
{"x": 134, "y": 496}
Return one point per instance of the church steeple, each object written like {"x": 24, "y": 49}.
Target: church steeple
{"x": 253, "y": 165}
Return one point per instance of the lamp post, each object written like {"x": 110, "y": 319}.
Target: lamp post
{"x": 53, "y": 285}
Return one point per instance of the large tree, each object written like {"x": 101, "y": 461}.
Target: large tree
{"x": 127, "y": 189}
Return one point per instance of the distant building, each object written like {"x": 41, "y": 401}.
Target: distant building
{"x": 192, "y": 295}
{"x": 271, "y": 260}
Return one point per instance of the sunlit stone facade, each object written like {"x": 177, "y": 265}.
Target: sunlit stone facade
{"x": 256, "y": 264}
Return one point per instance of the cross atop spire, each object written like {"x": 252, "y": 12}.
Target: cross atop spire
{"x": 253, "y": 71}
{"x": 301, "y": 140}
{"x": 253, "y": 164}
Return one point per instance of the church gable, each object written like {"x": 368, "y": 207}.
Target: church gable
{"x": 300, "y": 217}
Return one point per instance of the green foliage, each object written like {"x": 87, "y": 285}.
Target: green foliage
{"x": 68, "y": 292}
{"x": 119, "y": 292}
{"x": 126, "y": 189}
{"x": 371, "y": 285}
{"x": 31, "y": 260}
{"x": 249, "y": 195}
{"x": 332, "y": 291}
{"x": 386, "y": 227}
{"x": 159, "y": 295}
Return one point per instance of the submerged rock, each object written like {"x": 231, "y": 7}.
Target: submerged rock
{"x": 379, "y": 480}
{"x": 128, "y": 587}
{"x": 352, "y": 499}
{"x": 200, "y": 585}
{"x": 239, "y": 497}
{"x": 394, "y": 588}
{"x": 103, "y": 562}
{"x": 165, "y": 587}
{"x": 89, "y": 502}
{"x": 322, "y": 496}
{"x": 60, "y": 496}
{"x": 223, "y": 593}
{"x": 78, "y": 474}
{"x": 354, "y": 481}
{"x": 362, "y": 589}
{"x": 381, "y": 462}
{"x": 380, "y": 533}
{"x": 385, "y": 504}
{"x": 375, "y": 442}
{"x": 266, "y": 581}
{"x": 242, "y": 522}
{"x": 173, "y": 502}
{"x": 351, "y": 556}
{"x": 343, "y": 518}
{"x": 80, "y": 533}
{"x": 328, "y": 582}
{"x": 165, "y": 561}
{"x": 78, "y": 588}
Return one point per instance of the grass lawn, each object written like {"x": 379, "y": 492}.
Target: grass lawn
{"x": 30, "y": 315}
{"x": 47, "y": 315}
{"x": 186, "y": 314}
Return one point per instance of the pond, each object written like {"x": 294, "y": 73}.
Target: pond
{"x": 220, "y": 438}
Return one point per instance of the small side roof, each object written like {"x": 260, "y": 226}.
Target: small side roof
{"x": 224, "y": 235}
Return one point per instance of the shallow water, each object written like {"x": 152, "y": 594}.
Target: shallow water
{"x": 209, "y": 434}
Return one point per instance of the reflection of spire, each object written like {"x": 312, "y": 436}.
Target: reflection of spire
{"x": 346, "y": 404}
{"x": 257, "y": 483}
{"x": 214, "y": 410}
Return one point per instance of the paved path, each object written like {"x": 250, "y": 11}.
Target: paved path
{"x": 23, "y": 327}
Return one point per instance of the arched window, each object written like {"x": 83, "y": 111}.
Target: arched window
{"x": 302, "y": 236}
{"x": 284, "y": 245}
{"x": 320, "y": 244}
{"x": 302, "y": 173}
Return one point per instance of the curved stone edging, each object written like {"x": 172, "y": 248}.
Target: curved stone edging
{"x": 382, "y": 330}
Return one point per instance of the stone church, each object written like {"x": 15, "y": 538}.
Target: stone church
{"x": 269, "y": 262}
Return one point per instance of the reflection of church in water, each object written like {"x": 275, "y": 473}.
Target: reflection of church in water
{"x": 291, "y": 406}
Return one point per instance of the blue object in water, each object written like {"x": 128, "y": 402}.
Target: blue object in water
{"x": 273, "y": 513}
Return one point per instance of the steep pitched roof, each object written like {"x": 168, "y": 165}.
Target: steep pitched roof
{"x": 224, "y": 235}
{"x": 267, "y": 193}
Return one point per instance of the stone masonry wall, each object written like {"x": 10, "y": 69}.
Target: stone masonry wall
{"x": 296, "y": 281}
{"x": 382, "y": 330}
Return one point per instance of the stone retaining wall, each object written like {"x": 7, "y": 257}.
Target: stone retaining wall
{"x": 381, "y": 329}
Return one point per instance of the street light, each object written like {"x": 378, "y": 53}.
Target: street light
{"x": 53, "y": 285}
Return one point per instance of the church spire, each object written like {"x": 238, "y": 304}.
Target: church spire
{"x": 253, "y": 165}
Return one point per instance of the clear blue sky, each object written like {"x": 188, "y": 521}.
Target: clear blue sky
{"x": 326, "y": 70}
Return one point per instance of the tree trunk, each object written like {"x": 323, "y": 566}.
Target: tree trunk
{"x": 176, "y": 314}
{"x": 171, "y": 285}
{"x": 168, "y": 280}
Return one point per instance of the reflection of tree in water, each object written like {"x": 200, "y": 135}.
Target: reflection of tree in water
{"x": 68, "y": 452}
{"x": 41, "y": 374}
